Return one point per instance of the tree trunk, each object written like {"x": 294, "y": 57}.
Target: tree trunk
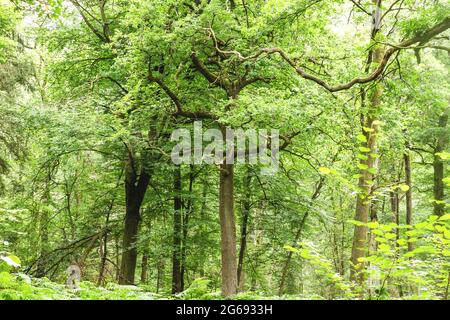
{"x": 363, "y": 202}
{"x": 297, "y": 237}
{"x": 129, "y": 254}
{"x": 176, "y": 254}
{"x": 43, "y": 235}
{"x": 159, "y": 275}
{"x": 245, "y": 216}
{"x": 135, "y": 188}
{"x": 368, "y": 166}
{"x": 408, "y": 180}
{"x": 203, "y": 232}
{"x": 227, "y": 231}
{"x": 104, "y": 255}
{"x": 43, "y": 230}
{"x": 438, "y": 166}
{"x": 186, "y": 215}
{"x": 144, "y": 267}
{"x": 104, "y": 247}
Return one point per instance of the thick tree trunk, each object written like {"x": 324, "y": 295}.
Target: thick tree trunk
{"x": 227, "y": 231}
{"x": 135, "y": 188}
{"x": 245, "y": 217}
{"x": 363, "y": 202}
{"x": 438, "y": 166}
{"x": 367, "y": 167}
{"x": 176, "y": 254}
{"x": 129, "y": 254}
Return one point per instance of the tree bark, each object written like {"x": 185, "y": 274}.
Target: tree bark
{"x": 43, "y": 230}
{"x": 144, "y": 267}
{"x": 408, "y": 182}
{"x": 189, "y": 208}
{"x": 368, "y": 166}
{"x": 438, "y": 166}
{"x": 176, "y": 254}
{"x": 135, "y": 188}
{"x": 159, "y": 275}
{"x": 227, "y": 231}
{"x": 363, "y": 202}
{"x": 245, "y": 217}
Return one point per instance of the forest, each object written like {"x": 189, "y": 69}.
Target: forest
{"x": 224, "y": 149}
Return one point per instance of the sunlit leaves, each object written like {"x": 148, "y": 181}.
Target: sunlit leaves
{"x": 361, "y": 138}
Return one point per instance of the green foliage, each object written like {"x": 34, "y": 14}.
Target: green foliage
{"x": 394, "y": 264}
{"x": 324, "y": 269}
{"x": 199, "y": 289}
{"x": 90, "y": 94}
{"x": 19, "y": 286}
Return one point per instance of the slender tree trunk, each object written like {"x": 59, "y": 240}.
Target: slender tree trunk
{"x": 245, "y": 217}
{"x": 177, "y": 236}
{"x": 43, "y": 230}
{"x": 104, "y": 247}
{"x": 159, "y": 275}
{"x": 297, "y": 237}
{"x": 186, "y": 216}
{"x": 43, "y": 235}
{"x": 227, "y": 231}
{"x": 395, "y": 204}
{"x": 144, "y": 266}
{"x": 145, "y": 255}
{"x": 438, "y": 166}
{"x": 104, "y": 255}
{"x": 409, "y": 208}
{"x": 203, "y": 230}
{"x": 117, "y": 254}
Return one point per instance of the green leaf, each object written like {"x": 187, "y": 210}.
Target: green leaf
{"x": 372, "y": 170}
{"x": 324, "y": 170}
{"x": 373, "y": 225}
{"x": 404, "y": 187}
{"x": 362, "y": 157}
{"x": 368, "y": 129}
{"x": 445, "y": 217}
{"x": 364, "y": 149}
{"x": 362, "y": 138}
{"x": 443, "y": 155}
{"x": 11, "y": 261}
{"x": 362, "y": 166}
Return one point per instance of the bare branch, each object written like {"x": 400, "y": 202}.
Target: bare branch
{"x": 360, "y": 7}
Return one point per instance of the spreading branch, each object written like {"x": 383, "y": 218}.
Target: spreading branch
{"x": 176, "y": 101}
{"x": 407, "y": 44}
